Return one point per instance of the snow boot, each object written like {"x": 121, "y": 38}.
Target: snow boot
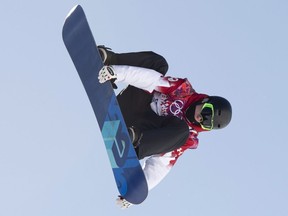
{"x": 106, "y": 54}
{"x": 135, "y": 136}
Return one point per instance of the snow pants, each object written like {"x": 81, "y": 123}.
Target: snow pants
{"x": 161, "y": 134}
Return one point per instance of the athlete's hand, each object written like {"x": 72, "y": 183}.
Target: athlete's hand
{"x": 122, "y": 203}
{"x": 106, "y": 73}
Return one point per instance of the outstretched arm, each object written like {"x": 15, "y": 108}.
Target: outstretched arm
{"x": 156, "y": 168}
{"x": 143, "y": 78}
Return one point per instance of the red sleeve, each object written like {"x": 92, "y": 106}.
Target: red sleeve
{"x": 173, "y": 84}
{"x": 191, "y": 143}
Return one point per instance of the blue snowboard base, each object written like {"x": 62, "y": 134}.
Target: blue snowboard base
{"x": 128, "y": 173}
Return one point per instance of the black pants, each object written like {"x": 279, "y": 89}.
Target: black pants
{"x": 161, "y": 134}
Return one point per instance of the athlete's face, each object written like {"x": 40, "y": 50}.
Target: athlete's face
{"x": 197, "y": 115}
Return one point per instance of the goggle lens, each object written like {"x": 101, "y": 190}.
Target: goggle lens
{"x": 207, "y": 113}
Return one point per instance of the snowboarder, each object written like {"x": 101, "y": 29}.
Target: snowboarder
{"x": 163, "y": 114}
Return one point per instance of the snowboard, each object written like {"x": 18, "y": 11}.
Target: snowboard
{"x": 81, "y": 46}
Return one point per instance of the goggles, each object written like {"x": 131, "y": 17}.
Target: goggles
{"x": 207, "y": 113}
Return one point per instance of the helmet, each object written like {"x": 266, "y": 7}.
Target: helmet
{"x": 222, "y": 111}
{"x": 216, "y": 113}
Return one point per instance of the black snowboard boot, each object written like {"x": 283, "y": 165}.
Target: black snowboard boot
{"x": 106, "y": 54}
{"x": 135, "y": 136}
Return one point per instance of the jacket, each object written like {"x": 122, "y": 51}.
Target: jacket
{"x": 171, "y": 96}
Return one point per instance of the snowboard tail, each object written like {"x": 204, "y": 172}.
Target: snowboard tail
{"x": 128, "y": 173}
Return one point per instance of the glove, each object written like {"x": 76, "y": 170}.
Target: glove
{"x": 122, "y": 203}
{"x": 106, "y": 73}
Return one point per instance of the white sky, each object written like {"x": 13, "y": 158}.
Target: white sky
{"x": 52, "y": 157}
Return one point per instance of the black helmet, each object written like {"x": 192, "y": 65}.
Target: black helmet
{"x": 222, "y": 111}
